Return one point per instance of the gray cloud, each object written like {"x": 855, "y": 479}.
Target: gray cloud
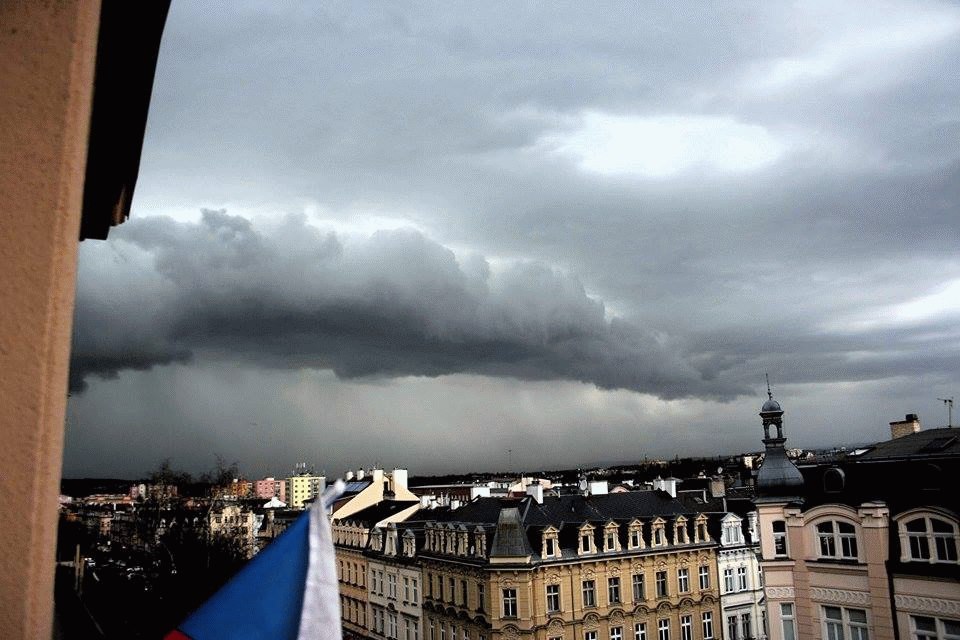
{"x": 831, "y": 263}
{"x": 393, "y": 304}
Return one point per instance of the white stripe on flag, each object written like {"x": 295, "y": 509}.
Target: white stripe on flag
{"x": 320, "y": 618}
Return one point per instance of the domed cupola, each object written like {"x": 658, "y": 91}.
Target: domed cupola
{"x": 778, "y": 476}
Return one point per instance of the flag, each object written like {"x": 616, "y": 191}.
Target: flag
{"x": 288, "y": 591}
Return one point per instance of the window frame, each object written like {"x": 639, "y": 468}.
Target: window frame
{"x": 833, "y": 543}
{"x": 936, "y": 543}
{"x": 588, "y": 587}
{"x": 508, "y": 596}
{"x": 555, "y": 596}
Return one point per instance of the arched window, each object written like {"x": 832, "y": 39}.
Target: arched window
{"x": 928, "y": 539}
{"x": 837, "y": 539}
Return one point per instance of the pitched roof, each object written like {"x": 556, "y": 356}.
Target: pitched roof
{"x": 930, "y": 443}
{"x": 375, "y": 514}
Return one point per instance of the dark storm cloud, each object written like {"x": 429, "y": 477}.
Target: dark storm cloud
{"x": 747, "y": 188}
{"x": 393, "y": 304}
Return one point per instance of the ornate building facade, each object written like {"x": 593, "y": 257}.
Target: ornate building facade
{"x": 864, "y": 546}
{"x": 632, "y": 565}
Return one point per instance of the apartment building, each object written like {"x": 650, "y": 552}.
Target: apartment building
{"x": 865, "y": 546}
{"x": 632, "y": 565}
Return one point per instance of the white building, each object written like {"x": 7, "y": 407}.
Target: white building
{"x": 394, "y": 583}
{"x": 743, "y": 610}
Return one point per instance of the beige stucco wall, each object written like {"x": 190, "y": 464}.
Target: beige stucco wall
{"x": 47, "y": 54}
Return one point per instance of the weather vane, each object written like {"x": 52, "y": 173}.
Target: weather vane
{"x": 769, "y": 393}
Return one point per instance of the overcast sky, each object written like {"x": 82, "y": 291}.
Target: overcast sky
{"x": 422, "y": 235}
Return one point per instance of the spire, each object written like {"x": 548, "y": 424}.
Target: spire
{"x": 778, "y": 475}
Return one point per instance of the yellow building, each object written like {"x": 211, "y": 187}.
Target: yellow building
{"x": 303, "y": 487}
{"x": 620, "y": 566}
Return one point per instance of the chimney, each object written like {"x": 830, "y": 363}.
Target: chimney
{"x": 598, "y": 487}
{"x": 399, "y": 480}
{"x": 718, "y": 489}
{"x": 360, "y": 473}
{"x": 349, "y": 476}
{"x": 669, "y": 485}
{"x": 910, "y": 424}
{"x": 535, "y": 489}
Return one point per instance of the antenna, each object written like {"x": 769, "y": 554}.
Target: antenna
{"x": 769, "y": 393}
{"x": 949, "y": 403}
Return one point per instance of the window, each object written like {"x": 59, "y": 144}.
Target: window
{"x": 786, "y": 617}
{"x": 742, "y": 578}
{"x": 443, "y": 630}
{"x": 553, "y": 598}
{"x": 509, "y": 603}
{"x": 683, "y": 580}
{"x": 634, "y": 538}
{"x": 663, "y": 629}
{"x": 780, "y": 538}
{"x": 392, "y": 625}
{"x": 930, "y": 540}
{"x": 745, "y": 625}
{"x": 610, "y": 543}
{"x": 589, "y": 635}
{"x": 463, "y": 592}
{"x": 392, "y": 585}
{"x": 416, "y": 590}
{"x": 640, "y": 631}
{"x": 480, "y": 596}
{"x": 429, "y": 585}
{"x": 616, "y": 633}
{"x": 840, "y": 623}
{"x": 453, "y": 589}
{"x": 924, "y": 628}
{"x": 589, "y": 593}
{"x": 658, "y": 539}
{"x": 613, "y": 590}
{"x": 707, "y": 620}
{"x": 704, "y": 572}
{"x": 837, "y": 540}
{"x": 686, "y": 628}
{"x": 733, "y": 629}
{"x": 661, "y": 584}
{"x": 728, "y": 580}
{"x": 549, "y": 545}
{"x": 406, "y": 589}
{"x": 586, "y": 542}
{"x": 638, "y": 595}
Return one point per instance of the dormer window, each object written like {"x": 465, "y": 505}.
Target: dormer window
{"x": 551, "y": 545}
{"x": 680, "y": 535}
{"x": 659, "y": 536}
{"x": 732, "y": 532}
{"x": 480, "y": 542}
{"x": 611, "y": 539}
{"x": 700, "y": 533}
{"x": 586, "y": 540}
{"x": 635, "y": 535}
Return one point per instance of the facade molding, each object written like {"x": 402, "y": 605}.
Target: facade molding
{"x": 921, "y": 604}
{"x": 840, "y": 596}
{"x": 780, "y": 593}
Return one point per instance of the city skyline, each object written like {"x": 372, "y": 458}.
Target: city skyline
{"x": 428, "y": 237}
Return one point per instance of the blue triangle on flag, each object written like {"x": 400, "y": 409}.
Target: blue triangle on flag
{"x": 264, "y": 599}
